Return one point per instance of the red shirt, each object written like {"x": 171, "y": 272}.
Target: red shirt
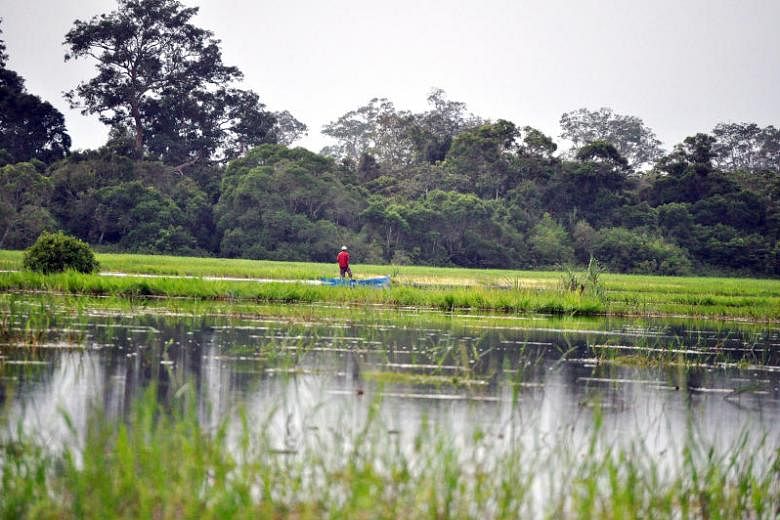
{"x": 343, "y": 259}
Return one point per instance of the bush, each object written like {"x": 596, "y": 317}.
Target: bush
{"x": 628, "y": 251}
{"x": 56, "y": 252}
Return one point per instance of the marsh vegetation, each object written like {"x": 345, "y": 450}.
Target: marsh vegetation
{"x": 124, "y": 407}
{"x": 446, "y": 289}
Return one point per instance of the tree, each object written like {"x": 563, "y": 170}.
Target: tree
{"x": 24, "y": 194}
{"x": 3, "y": 54}
{"x": 377, "y": 129}
{"x": 746, "y": 146}
{"x": 433, "y": 131}
{"x": 460, "y": 229}
{"x": 276, "y": 200}
{"x": 628, "y": 134}
{"x": 689, "y": 173}
{"x": 603, "y": 152}
{"x": 536, "y": 144}
{"x": 398, "y": 138}
{"x": 162, "y": 80}
{"x": 222, "y": 124}
{"x": 386, "y": 221}
{"x": 483, "y": 156}
{"x": 593, "y": 188}
{"x": 30, "y": 128}
{"x": 550, "y": 244}
{"x": 56, "y": 252}
{"x": 105, "y": 198}
{"x": 627, "y": 251}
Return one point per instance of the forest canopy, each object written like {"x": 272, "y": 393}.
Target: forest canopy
{"x": 196, "y": 164}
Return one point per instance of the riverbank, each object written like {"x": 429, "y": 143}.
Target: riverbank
{"x": 448, "y": 289}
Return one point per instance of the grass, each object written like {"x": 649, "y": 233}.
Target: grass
{"x": 478, "y": 298}
{"x": 416, "y": 379}
{"x": 449, "y": 289}
{"x": 32, "y": 319}
{"x": 162, "y": 463}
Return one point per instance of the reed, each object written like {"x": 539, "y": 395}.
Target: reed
{"x": 161, "y": 462}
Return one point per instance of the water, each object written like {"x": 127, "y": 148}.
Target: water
{"x": 298, "y": 377}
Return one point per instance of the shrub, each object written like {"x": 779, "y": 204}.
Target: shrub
{"x": 628, "y": 251}
{"x": 550, "y": 244}
{"x": 56, "y": 252}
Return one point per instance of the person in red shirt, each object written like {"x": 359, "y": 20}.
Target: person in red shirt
{"x": 343, "y": 260}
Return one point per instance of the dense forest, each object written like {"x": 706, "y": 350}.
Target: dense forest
{"x": 197, "y": 165}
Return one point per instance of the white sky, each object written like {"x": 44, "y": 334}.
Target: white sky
{"x": 680, "y": 65}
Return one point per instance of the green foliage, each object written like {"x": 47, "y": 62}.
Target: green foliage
{"x": 162, "y": 462}
{"x": 30, "y": 128}
{"x": 569, "y": 281}
{"x": 601, "y": 151}
{"x": 590, "y": 282}
{"x": 414, "y": 285}
{"x": 176, "y": 100}
{"x": 537, "y": 144}
{"x": 57, "y": 252}
{"x": 399, "y": 138}
{"x": 628, "y": 251}
{"x": 447, "y": 227}
{"x": 594, "y": 281}
{"x": 141, "y": 206}
{"x": 282, "y": 203}
{"x": 742, "y": 210}
{"x": 484, "y": 156}
{"x": 747, "y": 147}
{"x": 628, "y": 135}
{"x": 592, "y": 190}
{"x": 725, "y": 246}
{"x": 24, "y": 195}
{"x": 550, "y": 243}
{"x": 440, "y": 187}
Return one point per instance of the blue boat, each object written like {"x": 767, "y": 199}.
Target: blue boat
{"x": 376, "y": 281}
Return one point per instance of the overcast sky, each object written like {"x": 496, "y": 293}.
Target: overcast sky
{"x": 680, "y": 65}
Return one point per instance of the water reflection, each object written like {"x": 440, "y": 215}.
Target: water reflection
{"x": 296, "y": 377}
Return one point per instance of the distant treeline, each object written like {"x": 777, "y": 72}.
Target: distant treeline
{"x": 195, "y": 165}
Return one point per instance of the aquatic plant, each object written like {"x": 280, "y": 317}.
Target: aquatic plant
{"x": 162, "y": 462}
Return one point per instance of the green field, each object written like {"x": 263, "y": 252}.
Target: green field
{"x": 505, "y": 291}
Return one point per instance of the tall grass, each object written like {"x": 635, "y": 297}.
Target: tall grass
{"x": 522, "y": 300}
{"x": 439, "y": 288}
{"x": 162, "y": 463}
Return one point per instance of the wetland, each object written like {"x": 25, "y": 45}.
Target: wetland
{"x": 391, "y": 411}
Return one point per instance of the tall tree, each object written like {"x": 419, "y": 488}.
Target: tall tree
{"x": 432, "y": 131}
{"x": 399, "y": 137}
{"x": 602, "y": 151}
{"x": 628, "y": 134}
{"x": 24, "y": 194}
{"x": 284, "y": 203}
{"x": 537, "y": 144}
{"x": 377, "y": 129}
{"x": 747, "y": 147}
{"x": 690, "y": 173}
{"x": 162, "y": 78}
{"x": 30, "y": 128}
{"x": 484, "y": 157}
